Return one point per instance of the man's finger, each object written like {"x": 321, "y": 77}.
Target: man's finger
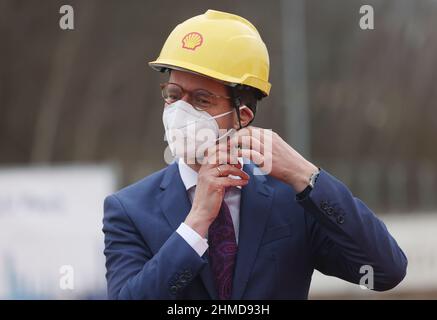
{"x": 220, "y": 154}
{"x": 250, "y": 142}
{"x": 229, "y": 182}
{"x": 253, "y": 155}
{"x": 258, "y": 133}
{"x": 226, "y": 170}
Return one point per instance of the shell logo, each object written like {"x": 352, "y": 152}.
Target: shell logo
{"x": 192, "y": 40}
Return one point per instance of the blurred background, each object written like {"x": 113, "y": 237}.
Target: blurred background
{"x": 80, "y": 116}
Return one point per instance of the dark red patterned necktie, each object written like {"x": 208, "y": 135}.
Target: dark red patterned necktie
{"x": 222, "y": 251}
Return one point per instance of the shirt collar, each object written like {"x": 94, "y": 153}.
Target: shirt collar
{"x": 189, "y": 176}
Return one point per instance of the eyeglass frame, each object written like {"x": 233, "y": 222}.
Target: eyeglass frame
{"x": 190, "y": 93}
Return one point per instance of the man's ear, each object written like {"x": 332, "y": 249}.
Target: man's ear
{"x": 246, "y": 116}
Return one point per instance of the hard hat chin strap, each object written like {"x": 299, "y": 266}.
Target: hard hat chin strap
{"x": 236, "y": 100}
{"x": 237, "y": 105}
{"x": 244, "y": 96}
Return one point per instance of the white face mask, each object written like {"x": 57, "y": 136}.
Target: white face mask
{"x": 190, "y": 132}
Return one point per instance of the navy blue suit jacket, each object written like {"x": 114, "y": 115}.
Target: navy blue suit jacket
{"x": 282, "y": 240}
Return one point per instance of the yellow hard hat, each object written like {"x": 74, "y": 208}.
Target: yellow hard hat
{"x": 219, "y": 45}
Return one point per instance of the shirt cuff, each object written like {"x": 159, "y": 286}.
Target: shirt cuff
{"x": 199, "y": 244}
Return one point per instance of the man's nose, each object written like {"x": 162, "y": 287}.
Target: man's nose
{"x": 187, "y": 98}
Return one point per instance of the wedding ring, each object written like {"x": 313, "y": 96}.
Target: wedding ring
{"x": 220, "y": 171}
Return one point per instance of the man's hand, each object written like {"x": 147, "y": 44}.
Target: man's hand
{"x": 210, "y": 189}
{"x": 284, "y": 163}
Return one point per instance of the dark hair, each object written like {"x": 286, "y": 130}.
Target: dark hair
{"x": 245, "y": 95}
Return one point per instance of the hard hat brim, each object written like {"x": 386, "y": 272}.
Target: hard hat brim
{"x": 163, "y": 64}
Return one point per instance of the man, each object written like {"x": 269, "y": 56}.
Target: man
{"x": 208, "y": 229}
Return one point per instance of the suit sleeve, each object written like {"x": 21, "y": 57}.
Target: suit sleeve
{"x": 346, "y": 237}
{"x": 133, "y": 272}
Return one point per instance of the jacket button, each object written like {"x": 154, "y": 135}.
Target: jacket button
{"x": 330, "y": 211}
{"x": 173, "y": 289}
{"x": 183, "y": 281}
{"x": 324, "y": 205}
{"x": 188, "y": 274}
{"x": 184, "y": 278}
{"x": 340, "y": 219}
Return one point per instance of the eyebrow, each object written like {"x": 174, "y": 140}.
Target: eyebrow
{"x": 201, "y": 89}
{"x": 196, "y": 89}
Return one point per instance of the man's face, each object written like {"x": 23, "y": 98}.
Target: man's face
{"x": 190, "y": 82}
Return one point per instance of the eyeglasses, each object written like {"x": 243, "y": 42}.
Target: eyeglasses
{"x": 202, "y": 99}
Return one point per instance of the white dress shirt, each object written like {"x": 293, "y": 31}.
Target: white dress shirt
{"x": 232, "y": 199}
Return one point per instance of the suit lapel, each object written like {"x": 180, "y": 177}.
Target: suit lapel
{"x": 173, "y": 199}
{"x": 256, "y": 200}
{"x": 176, "y": 205}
